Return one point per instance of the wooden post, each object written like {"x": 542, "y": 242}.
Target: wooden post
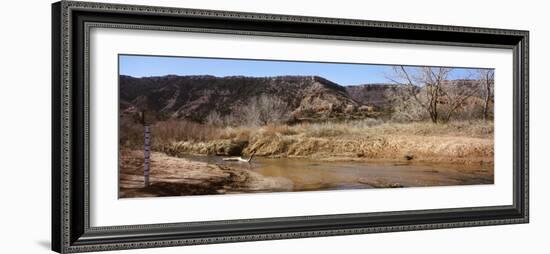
{"x": 146, "y": 149}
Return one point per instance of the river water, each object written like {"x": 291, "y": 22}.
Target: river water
{"x": 321, "y": 175}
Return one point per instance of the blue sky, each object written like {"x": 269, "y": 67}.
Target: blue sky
{"x": 343, "y": 74}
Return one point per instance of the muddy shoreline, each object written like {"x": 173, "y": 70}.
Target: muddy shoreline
{"x": 209, "y": 175}
{"x": 180, "y": 176}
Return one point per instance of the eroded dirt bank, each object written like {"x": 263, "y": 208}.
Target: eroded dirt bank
{"x": 457, "y": 142}
{"x": 462, "y": 150}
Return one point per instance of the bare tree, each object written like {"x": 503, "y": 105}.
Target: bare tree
{"x": 248, "y": 114}
{"x": 487, "y": 81}
{"x": 230, "y": 119}
{"x": 214, "y": 118}
{"x": 457, "y": 93}
{"x": 430, "y": 88}
{"x": 403, "y": 107}
{"x": 263, "y": 110}
{"x": 272, "y": 109}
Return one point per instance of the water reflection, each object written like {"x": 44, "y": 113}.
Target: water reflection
{"x": 320, "y": 175}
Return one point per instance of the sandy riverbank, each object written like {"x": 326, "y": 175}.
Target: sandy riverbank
{"x": 179, "y": 176}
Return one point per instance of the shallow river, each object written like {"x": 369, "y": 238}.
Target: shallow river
{"x": 321, "y": 175}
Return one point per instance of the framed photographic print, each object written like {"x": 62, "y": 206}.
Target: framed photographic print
{"x": 181, "y": 126}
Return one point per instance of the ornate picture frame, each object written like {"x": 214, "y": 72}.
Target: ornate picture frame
{"x": 71, "y": 197}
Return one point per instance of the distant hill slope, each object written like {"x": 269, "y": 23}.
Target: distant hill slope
{"x": 376, "y": 95}
{"x": 305, "y": 98}
{"x": 195, "y": 97}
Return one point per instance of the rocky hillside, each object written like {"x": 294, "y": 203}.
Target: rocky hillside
{"x": 376, "y": 95}
{"x": 195, "y": 97}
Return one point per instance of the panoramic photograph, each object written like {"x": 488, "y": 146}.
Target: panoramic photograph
{"x": 207, "y": 126}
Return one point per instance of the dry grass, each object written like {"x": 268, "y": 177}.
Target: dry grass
{"x": 460, "y": 141}
{"x": 479, "y": 129}
{"x": 165, "y": 132}
{"x": 168, "y": 131}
